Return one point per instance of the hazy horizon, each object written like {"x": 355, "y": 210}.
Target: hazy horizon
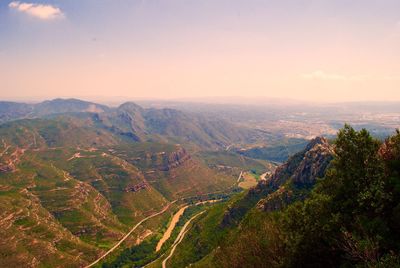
{"x": 314, "y": 51}
{"x": 114, "y": 101}
{"x": 199, "y": 133}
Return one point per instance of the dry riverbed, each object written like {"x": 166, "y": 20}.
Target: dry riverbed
{"x": 175, "y": 220}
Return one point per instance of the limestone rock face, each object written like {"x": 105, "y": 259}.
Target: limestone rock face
{"x": 300, "y": 172}
{"x": 177, "y": 158}
{"x": 315, "y": 161}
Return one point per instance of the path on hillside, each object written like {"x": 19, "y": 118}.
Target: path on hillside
{"x": 240, "y": 176}
{"x": 179, "y": 238}
{"x": 175, "y": 220}
{"x": 171, "y": 227}
{"x": 129, "y": 233}
{"x": 6, "y": 147}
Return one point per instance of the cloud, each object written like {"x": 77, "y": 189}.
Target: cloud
{"x": 321, "y": 75}
{"x": 40, "y": 11}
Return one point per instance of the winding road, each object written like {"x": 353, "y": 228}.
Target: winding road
{"x": 179, "y": 238}
{"x": 129, "y": 233}
{"x": 240, "y": 176}
{"x": 171, "y": 227}
{"x": 175, "y": 220}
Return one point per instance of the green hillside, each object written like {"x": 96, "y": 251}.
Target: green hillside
{"x": 75, "y": 177}
{"x": 348, "y": 219}
{"x": 134, "y": 123}
{"x": 87, "y": 186}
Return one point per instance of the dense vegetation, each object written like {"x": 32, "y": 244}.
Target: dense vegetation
{"x": 76, "y": 176}
{"x": 73, "y": 182}
{"x": 352, "y": 217}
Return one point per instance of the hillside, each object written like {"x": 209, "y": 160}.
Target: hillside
{"x": 131, "y": 121}
{"x": 290, "y": 182}
{"x": 74, "y": 188}
{"x": 197, "y": 131}
{"x": 75, "y": 177}
{"x": 224, "y": 221}
{"x": 78, "y": 188}
{"x": 12, "y": 110}
{"x": 348, "y": 218}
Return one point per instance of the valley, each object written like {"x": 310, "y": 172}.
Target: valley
{"x": 179, "y": 239}
{"x": 199, "y": 134}
{"x": 128, "y": 234}
{"x": 88, "y": 185}
{"x": 94, "y": 188}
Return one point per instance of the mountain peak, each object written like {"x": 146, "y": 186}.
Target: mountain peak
{"x": 60, "y": 105}
{"x": 317, "y": 141}
{"x": 130, "y": 106}
{"x": 302, "y": 171}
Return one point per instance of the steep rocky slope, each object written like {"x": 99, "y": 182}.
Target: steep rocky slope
{"x": 300, "y": 172}
{"x": 234, "y": 222}
{"x": 290, "y": 181}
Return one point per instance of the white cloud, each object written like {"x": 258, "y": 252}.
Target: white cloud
{"x": 321, "y": 75}
{"x": 40, "y": 11}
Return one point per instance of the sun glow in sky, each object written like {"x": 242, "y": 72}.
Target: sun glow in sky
{"x": 316, "y": 50}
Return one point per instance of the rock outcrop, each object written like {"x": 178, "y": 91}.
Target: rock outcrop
{"x": 290, "y": 181}
{"x": 300, "y": 172}
{"x": 165, "y": 161}
{"x": 177, "y": 158}
{"x": 315, "y": 161}
{"x": 137, "y": 187}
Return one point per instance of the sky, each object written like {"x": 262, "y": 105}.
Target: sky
{"x": 313, "y": 50}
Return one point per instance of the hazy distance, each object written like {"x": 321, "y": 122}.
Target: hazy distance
{"x": 318, "y": 51}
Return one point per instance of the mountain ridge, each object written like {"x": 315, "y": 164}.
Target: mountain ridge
{"x": 139, "y": 124}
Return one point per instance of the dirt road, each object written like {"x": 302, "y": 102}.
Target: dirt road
{"x": 175, "y": 220}
{"x": 179, "y": 238}
{"x": 129, "y": 233}
{"x": 171, "y": 227}
{"x": 240, "y": 176}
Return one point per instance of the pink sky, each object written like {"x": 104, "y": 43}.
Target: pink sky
{"x": 309, "y": 50}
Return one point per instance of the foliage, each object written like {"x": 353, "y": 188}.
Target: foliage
{"x": 352, "y": 217}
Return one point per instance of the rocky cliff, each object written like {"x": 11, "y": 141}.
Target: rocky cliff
{"x": 291, "y": 180}
{"x": 177, "y": 158}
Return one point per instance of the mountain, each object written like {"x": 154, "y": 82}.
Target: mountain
{"x": 75, "y": 176}
{"x": 224, "y": 222}
{"x": 12, "y": 110}
{"x": 300, "y": 172}
{"x": 348, "y": 218}
{"x": 290, "y": 182}
{"x": 64, "y": 193}
{"x": 58, "y": 106}
{"x": 303, "y": 168}
{"x": 133, "y": 121}
{"x": 72, "y": 182}
{"x": 138, "y": 124}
